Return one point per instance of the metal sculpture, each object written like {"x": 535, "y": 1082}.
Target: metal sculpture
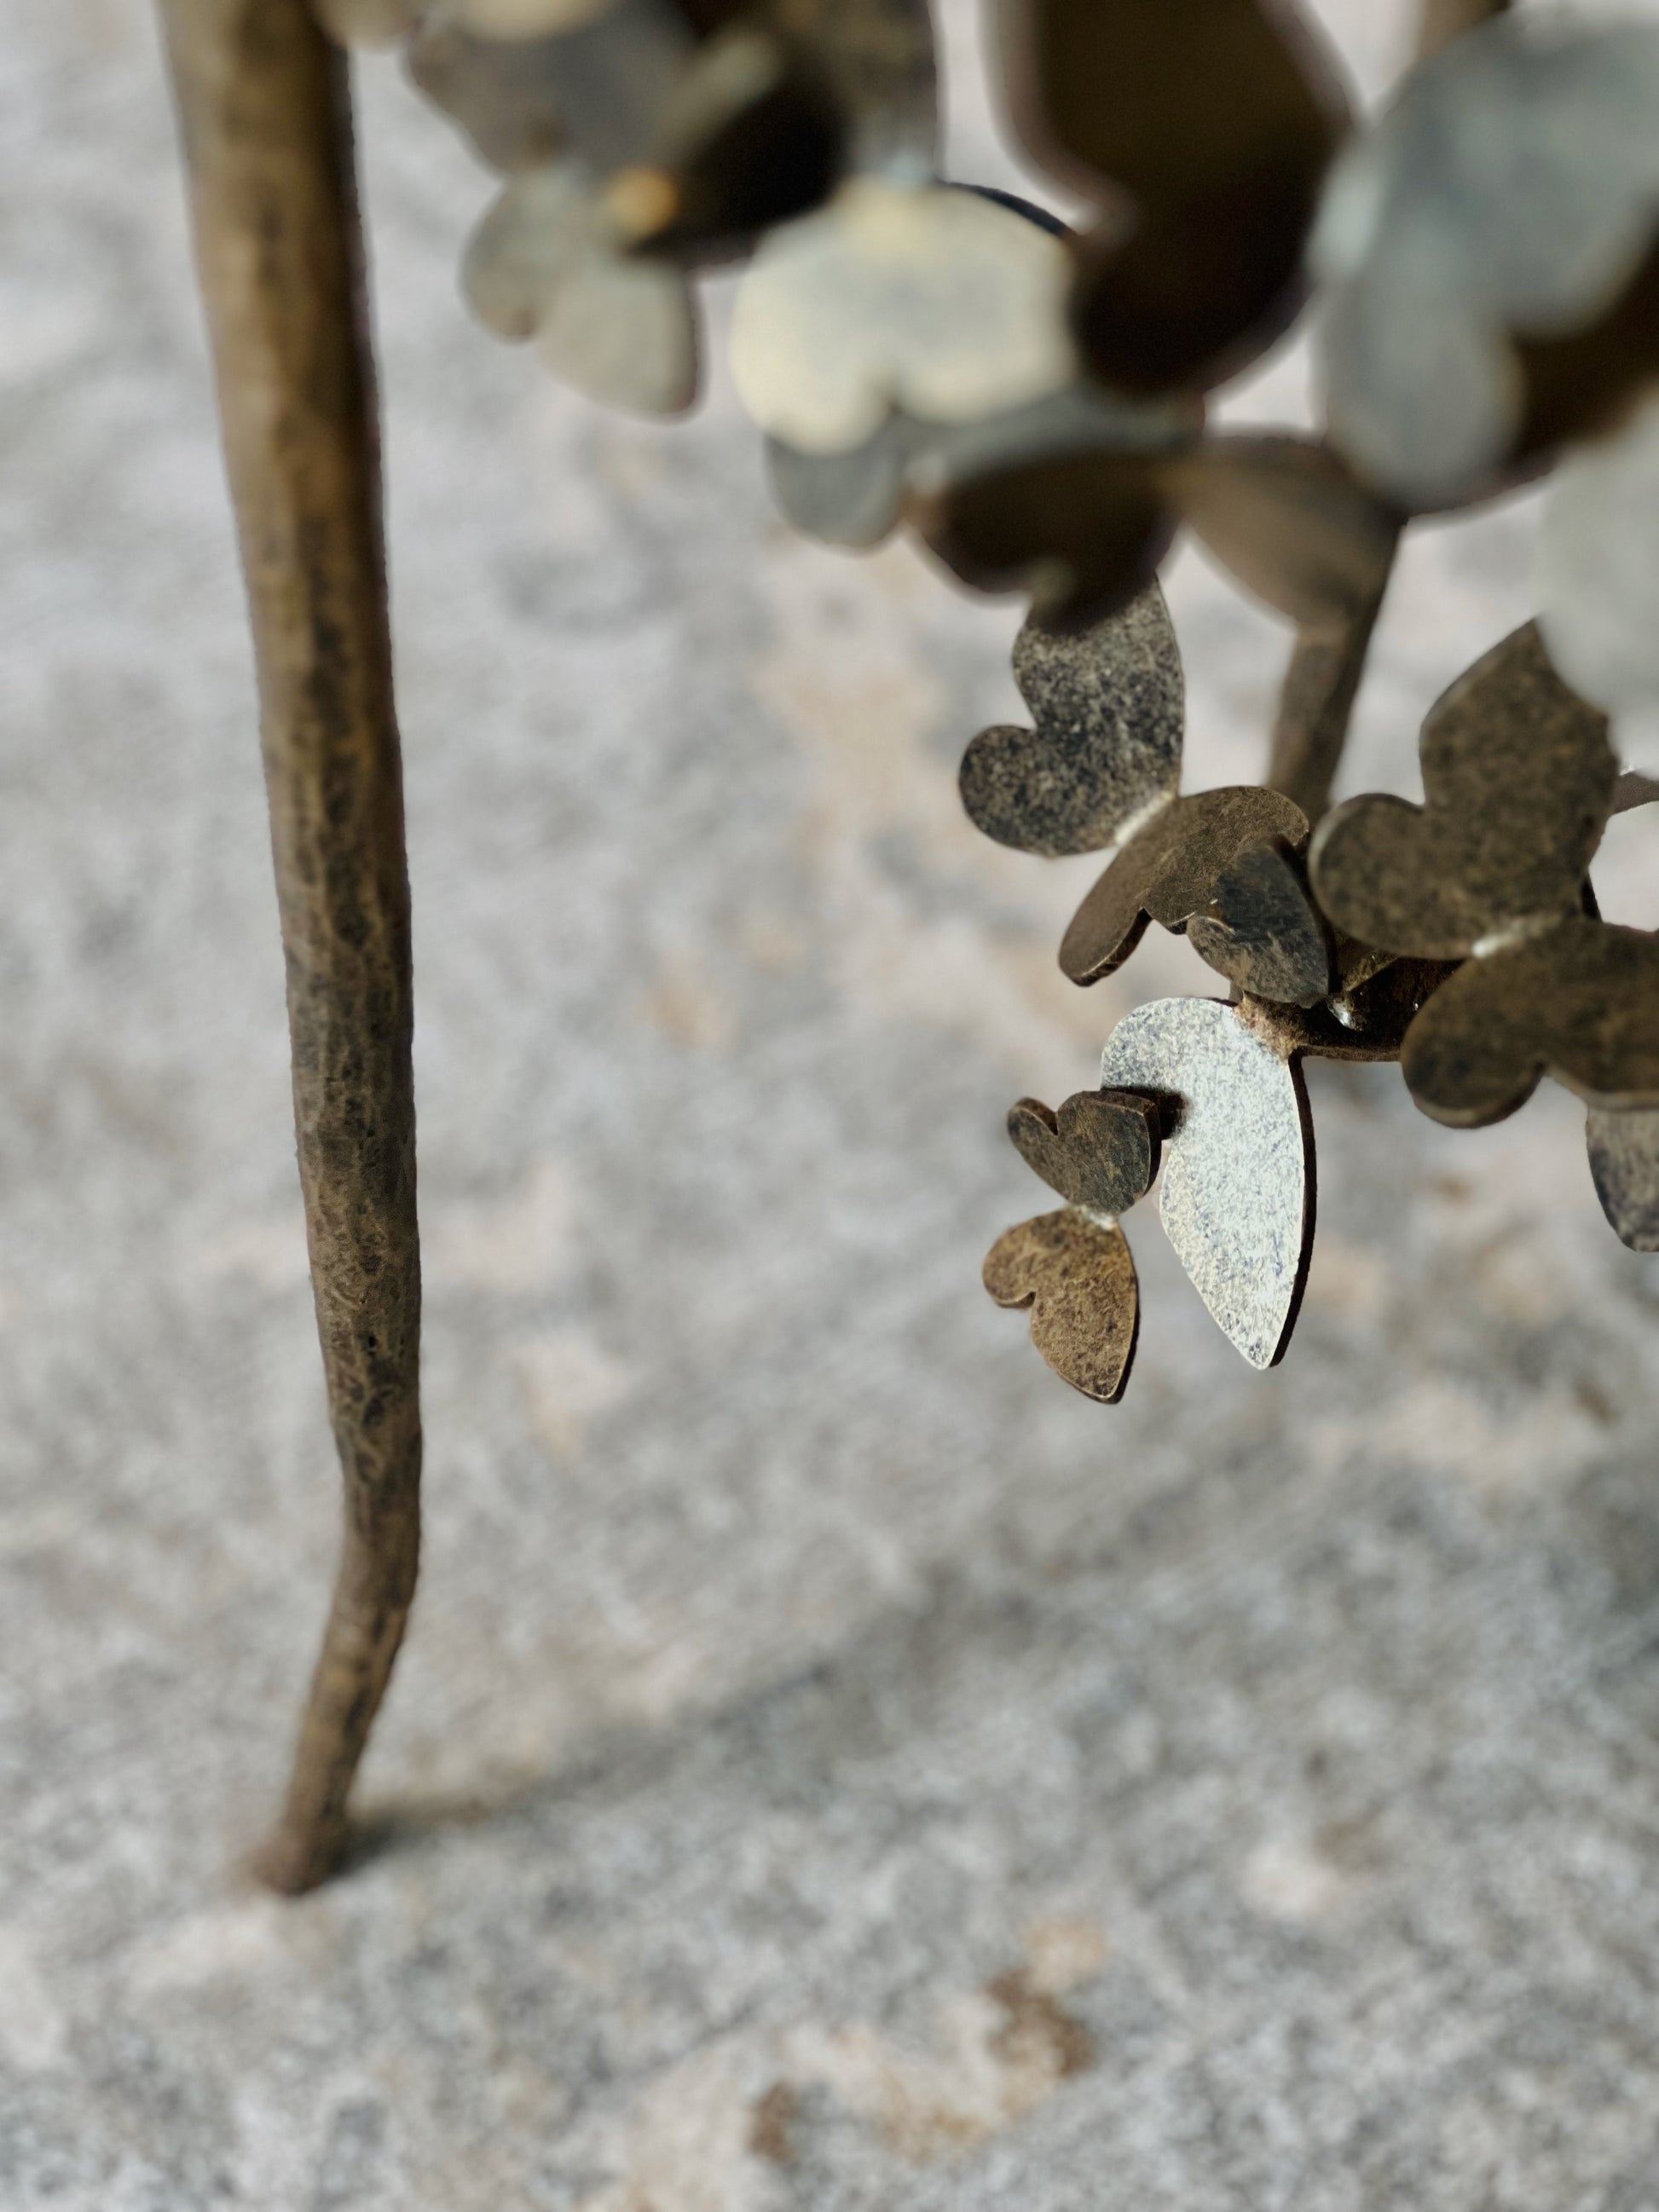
{"x": 1029, "y": 398}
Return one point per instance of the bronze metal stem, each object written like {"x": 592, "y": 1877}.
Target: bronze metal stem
{"x": 1314, "y": 709}
{"x": 265, "y": 109}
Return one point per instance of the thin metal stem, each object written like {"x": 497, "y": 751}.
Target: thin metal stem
{"x": 1315, "y": 707}
{"x": 264, "y": 105}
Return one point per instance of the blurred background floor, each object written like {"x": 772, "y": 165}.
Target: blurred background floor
{"x": 834, "y": 1767}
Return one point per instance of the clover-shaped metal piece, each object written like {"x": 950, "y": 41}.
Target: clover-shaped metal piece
{"x": 1518, "y": 774}
{"x": 1520, "y": 779}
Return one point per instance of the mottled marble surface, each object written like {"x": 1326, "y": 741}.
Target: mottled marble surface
{"x": 833, "y": 1767}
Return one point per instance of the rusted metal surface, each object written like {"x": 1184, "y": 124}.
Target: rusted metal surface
{"x": 265, "y": 119}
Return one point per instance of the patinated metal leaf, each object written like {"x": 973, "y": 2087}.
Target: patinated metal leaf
{"x": 1100, "y": 1152}
{"x": 1579, "y": 1001}
{"x": 1237, "y": 1197}
{"x": 1172, "y": 869}
{"x": 1261, "y": 930}
{"x": 1108, "y": 710}
{"x": 1078, "y": 1276}
{"x": 1518, "y": 776}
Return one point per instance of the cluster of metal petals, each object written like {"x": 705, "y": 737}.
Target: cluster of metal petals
{"x": 1488, "y": 251}
{"x": 1030, "y": 399}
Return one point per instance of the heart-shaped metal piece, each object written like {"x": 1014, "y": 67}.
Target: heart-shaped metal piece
{"x": 1100, "y": 1152}
{"x": 1078, "y": 1276}
{"x": 1108, "y": 706}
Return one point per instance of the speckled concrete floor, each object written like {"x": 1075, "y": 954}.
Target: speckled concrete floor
{"x": 834, "y": 1767}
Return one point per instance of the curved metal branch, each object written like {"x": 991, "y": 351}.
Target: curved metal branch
{"x": 263, "y": 105}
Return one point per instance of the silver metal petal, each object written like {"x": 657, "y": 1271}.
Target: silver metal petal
{"x": 1237, "y": 1195}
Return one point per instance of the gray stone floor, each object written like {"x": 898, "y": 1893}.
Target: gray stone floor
{"x": 834, "y": 1767}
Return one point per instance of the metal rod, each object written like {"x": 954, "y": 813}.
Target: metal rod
{"x": 265, "y": 110}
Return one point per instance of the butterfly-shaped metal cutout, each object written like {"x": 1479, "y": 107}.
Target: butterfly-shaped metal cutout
{"x": 1101, "y": 765}
{"x": 1485, "y": 250}
{"x": 856, "y": 496}
{"x": 1074, "y": 1268}
{"x": 643, "y": 137}
{"x": 1519, "y": 778}
{"x": 1205, "y": 131}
